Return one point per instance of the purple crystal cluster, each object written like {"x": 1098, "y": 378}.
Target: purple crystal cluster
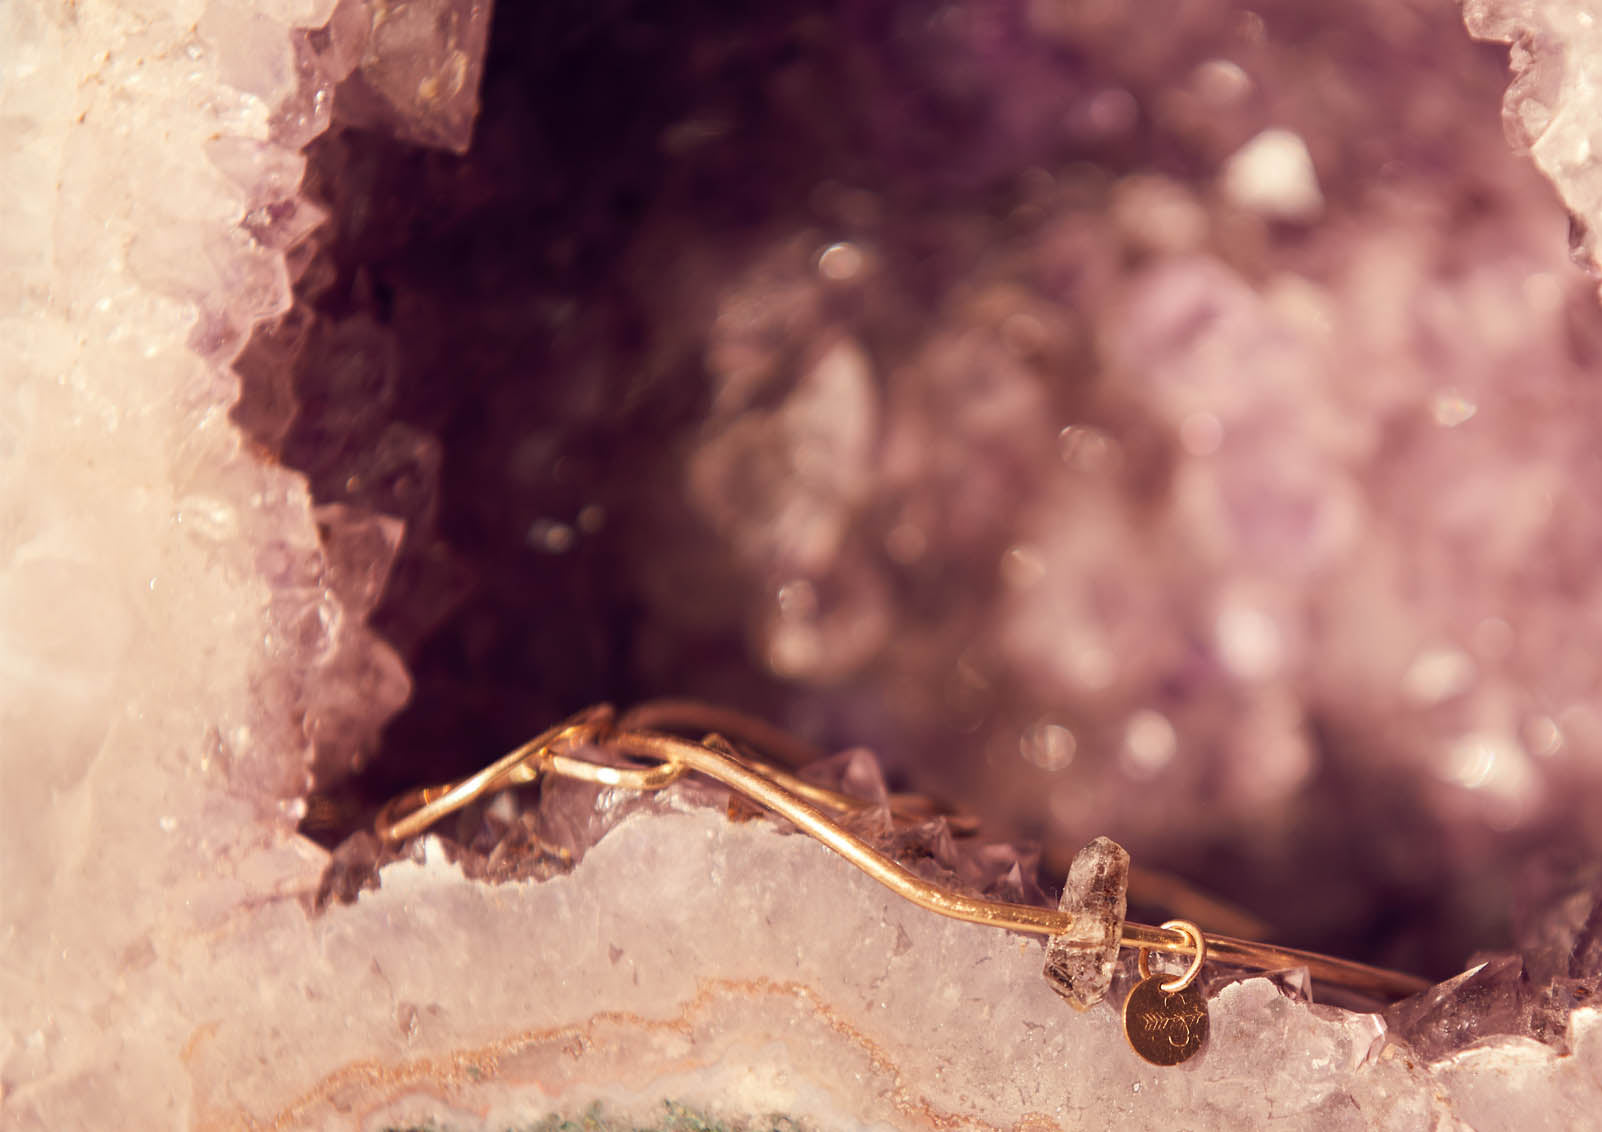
{"x": 1181, "y": 433}
{"x": 1178, "y": 429}
{"x": 1531, "y": 993}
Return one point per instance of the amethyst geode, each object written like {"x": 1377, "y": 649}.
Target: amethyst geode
{"x": 1179, "y": 431}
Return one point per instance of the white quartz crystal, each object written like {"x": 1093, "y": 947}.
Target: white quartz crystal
{"x": 1554, "y": 102}
{"x": 164, "y": 616}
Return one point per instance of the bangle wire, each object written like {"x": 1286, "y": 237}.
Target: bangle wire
{"x": 801, "y": 803}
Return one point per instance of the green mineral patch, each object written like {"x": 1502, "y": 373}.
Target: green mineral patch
{"x": 674, "y": 1117}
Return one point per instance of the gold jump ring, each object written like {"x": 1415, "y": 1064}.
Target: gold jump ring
{"x": 1193, "y": 935}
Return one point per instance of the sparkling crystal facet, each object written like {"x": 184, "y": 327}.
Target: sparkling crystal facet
{"x": 1080, "y": 962}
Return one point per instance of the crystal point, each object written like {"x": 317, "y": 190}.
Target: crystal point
{"x": 1080, "y": 962}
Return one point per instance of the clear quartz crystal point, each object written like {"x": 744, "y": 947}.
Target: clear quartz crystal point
{"x": 1080, "y": 961}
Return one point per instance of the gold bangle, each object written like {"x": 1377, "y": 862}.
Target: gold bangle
{"x": 645, "y": 733}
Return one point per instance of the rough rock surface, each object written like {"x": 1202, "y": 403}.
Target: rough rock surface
{"x": 744, "y": 972}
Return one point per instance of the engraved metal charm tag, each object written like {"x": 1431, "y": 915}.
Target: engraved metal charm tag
{"x": 1165, "y": 1027}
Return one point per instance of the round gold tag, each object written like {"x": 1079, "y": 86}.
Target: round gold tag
{"x": 1165, "y": 1027}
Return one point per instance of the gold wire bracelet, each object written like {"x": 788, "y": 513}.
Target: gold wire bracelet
{"x": 1161, "y": 1015}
